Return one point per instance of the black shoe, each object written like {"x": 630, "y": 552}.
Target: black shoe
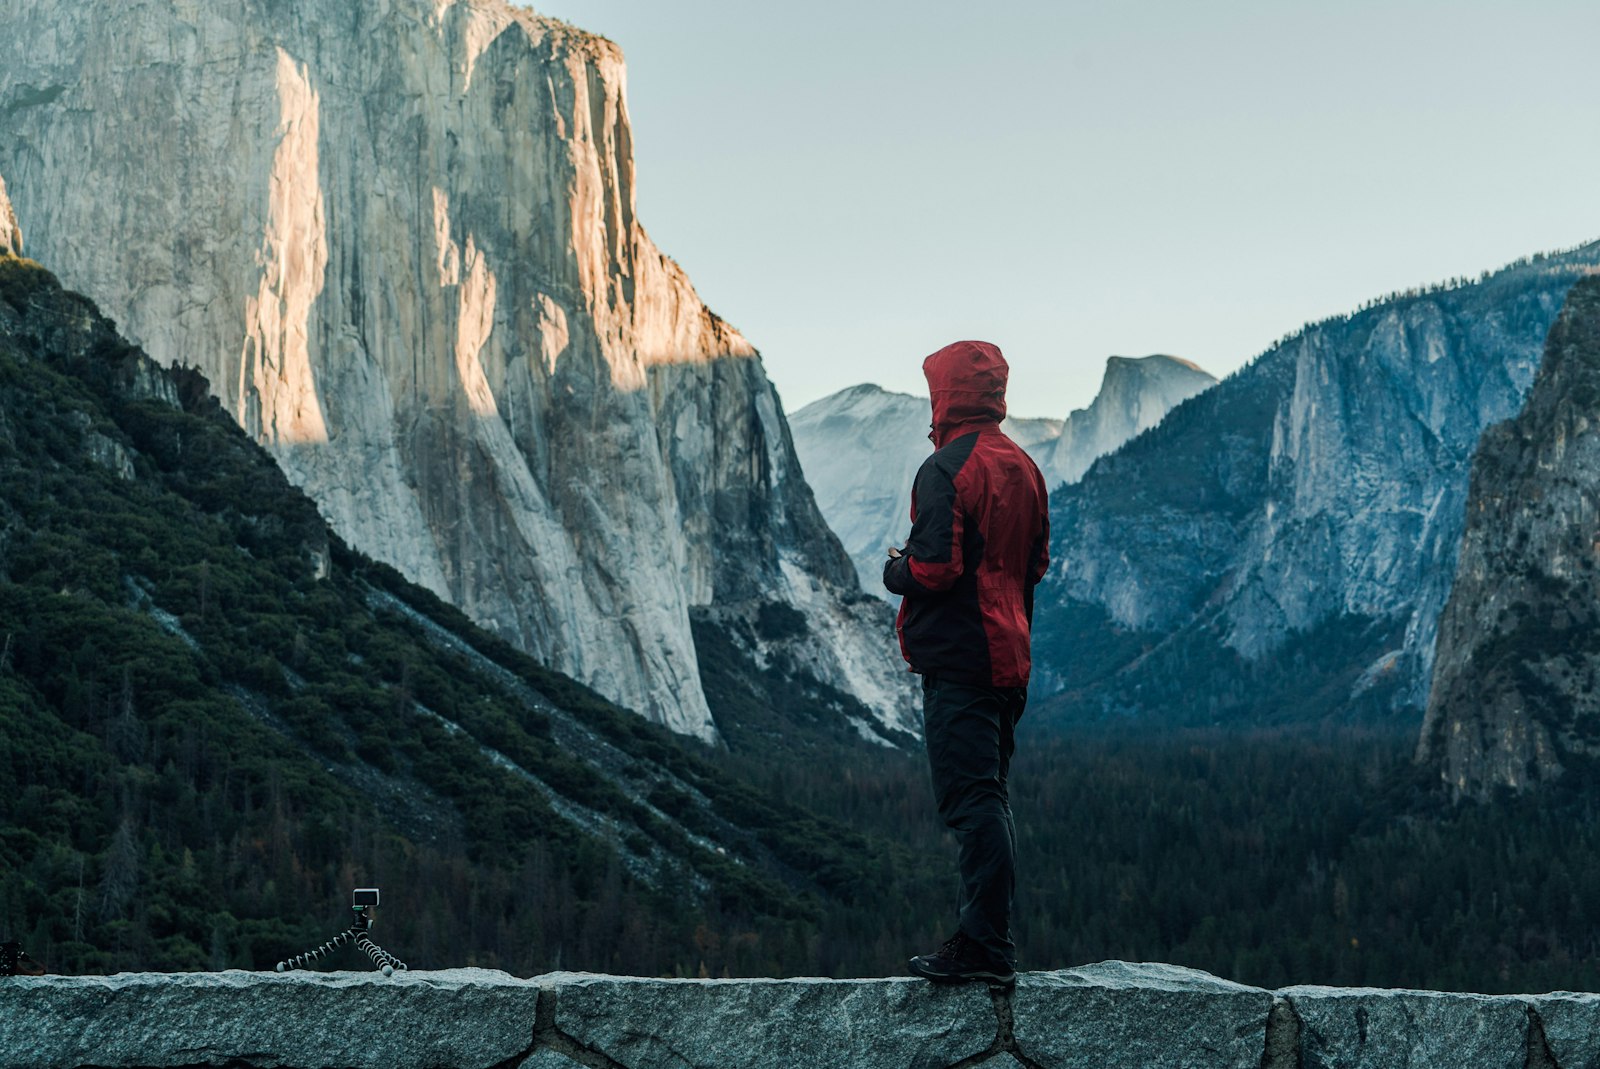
{"x": 961, "y": 960}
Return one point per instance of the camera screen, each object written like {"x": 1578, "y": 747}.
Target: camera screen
{"x": 364, "y": 896}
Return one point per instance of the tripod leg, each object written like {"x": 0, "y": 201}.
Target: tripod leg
{"x": 300, "y": 961}
{"x": 386, "y": 962}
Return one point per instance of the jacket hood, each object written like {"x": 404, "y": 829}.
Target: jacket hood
{"x": 967, "y": 385}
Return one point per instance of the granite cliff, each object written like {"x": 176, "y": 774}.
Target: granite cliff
{"x": 1310, "y": 507}
{"x": 861, "y": 447}
{"x": 1112, "y": 1015}
{"x": 399, "y": 238}
{"x": 1516, "y": 686}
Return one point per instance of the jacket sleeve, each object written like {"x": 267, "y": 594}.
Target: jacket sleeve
{"x": 1039, "y": 558}
{"x": 1041, "y": 549}
{"x": 932, "y": 560}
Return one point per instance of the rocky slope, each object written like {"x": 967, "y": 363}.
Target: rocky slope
{"x": 1516, "y": 686}
{"x": 1112, "y": 1015}
{"x": 1309, "y": 507}
{"x": 861, "y": 447}
{"x": 400, "y": 240}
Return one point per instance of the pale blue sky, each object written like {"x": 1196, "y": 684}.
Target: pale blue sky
{"x": 855, "y": 184}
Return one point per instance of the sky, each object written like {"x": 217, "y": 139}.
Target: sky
{"x": 855, "y": 184}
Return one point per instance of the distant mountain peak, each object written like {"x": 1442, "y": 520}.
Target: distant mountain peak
{"x": 1154, "y": 360}
{"x": 1136, "y": 393}
{"x": 861, "y": 446}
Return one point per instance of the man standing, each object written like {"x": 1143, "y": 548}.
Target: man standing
{"x": 980, "y": 537}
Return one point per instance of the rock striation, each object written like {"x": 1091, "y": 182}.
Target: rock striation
{"x": 1113, "y": 1015}
{"x": 1314, "y": 500}
{"x": 861, "y": 447}
{"x": 1516, "y": 687}
{"x": 400, "y": 240}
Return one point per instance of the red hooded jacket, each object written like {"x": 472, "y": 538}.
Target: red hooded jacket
{"x": 980, "y": 531}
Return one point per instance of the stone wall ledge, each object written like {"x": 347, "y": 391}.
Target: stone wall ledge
{"x": 1113, "y": 1015}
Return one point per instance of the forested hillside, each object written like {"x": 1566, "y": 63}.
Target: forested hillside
{"x": 215, "y": 719}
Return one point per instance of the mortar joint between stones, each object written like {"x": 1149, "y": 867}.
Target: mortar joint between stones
{"x": 549, "y": 1036}
{"x": 1540, "y": 1056}
{"x": 1280, "y": 1046}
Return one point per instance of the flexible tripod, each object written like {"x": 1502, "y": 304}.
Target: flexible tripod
{"x": 384, "y": 961}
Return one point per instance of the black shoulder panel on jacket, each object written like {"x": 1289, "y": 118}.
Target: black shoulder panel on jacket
{"x": 932, "y": 535}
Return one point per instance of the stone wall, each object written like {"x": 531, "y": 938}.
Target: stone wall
{"x": 1113, "y": 1015}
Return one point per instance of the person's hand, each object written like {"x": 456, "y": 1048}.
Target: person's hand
{"x": 894, "y": 553}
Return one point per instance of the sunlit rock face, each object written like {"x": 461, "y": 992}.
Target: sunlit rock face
{"x": 1315, "y": 497}
{"x": 10, "y": 232}
{"x": 399, "y": 239}
{"x": 861, "y": 447}
{"x": 1516, "y": 688}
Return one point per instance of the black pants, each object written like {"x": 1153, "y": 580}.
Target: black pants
{"x": 970, "y": 731}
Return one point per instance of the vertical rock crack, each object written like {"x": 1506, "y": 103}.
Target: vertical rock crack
{"x": 547, "y": 1035}
{"x": 1005, "y": 1037}
{"x": 1281, "y": 1047}
{"x": 1540, "y": 1056}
